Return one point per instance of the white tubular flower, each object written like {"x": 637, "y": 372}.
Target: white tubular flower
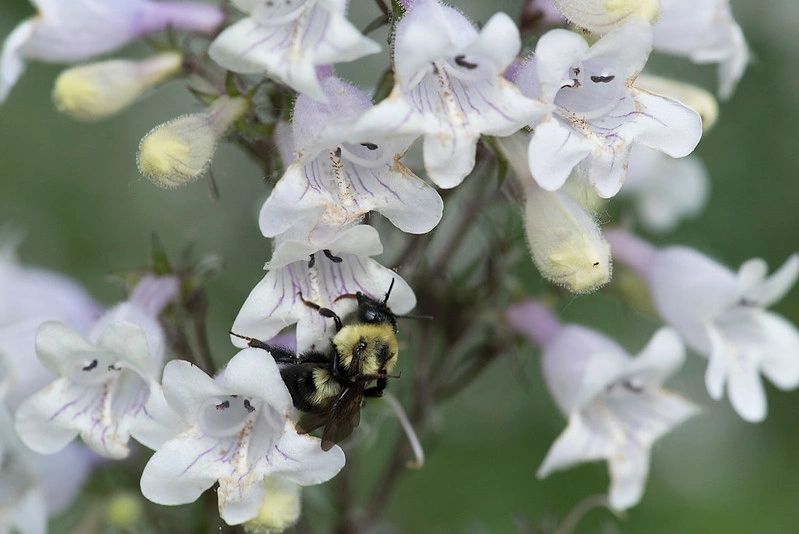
{"x": 665, "y": 190}
{"x": 566, "y": 243}
{"x": 99, "y": 90}
{"x": 339, "y": 267}
{"x": 179, "y": 151}
{"x": 602, "y": 16}
{"x": 616, "y": 405}
{"x": 105, "y": 381}
{"x": 696, "y": 98}
{"x": 450, "y": 88}
{"x": 239, "y": 432}
{"x": 333, "y": 183}
{"x": 73, "y": 31}
{"x": 29, "y": 297}
{"x": 597, "y": 114}
{"x": 289, "y": 39}
{"x": 722, "y": 316}
{"x": 704, "y": 31}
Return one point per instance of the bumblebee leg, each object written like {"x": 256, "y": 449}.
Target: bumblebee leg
{"x": 376, "y": 391}
{"x": 324, "y": 312}
{"x": 280, "y": 354}
{"x": 336, "y": 370}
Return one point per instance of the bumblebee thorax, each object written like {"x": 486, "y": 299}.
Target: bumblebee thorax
{"x": 374, "y": 345}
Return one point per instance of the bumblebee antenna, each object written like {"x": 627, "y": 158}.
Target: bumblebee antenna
{"x": 251, "y": 341}
{"x": 388, "y": 293}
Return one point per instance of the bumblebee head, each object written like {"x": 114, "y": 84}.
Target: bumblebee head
{"x": 373, "y": 311}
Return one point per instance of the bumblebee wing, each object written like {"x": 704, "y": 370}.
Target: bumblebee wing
{"x": 345, "y": 416}
{"x": 311, "y": 421}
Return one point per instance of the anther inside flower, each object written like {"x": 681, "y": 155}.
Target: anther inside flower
{"x": 596, "y": 113}
{"x": 334, "y": 181}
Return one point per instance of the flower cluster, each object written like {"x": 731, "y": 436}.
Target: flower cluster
{"x": 576, "y": 119}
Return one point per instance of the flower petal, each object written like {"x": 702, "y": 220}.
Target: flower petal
{"x": 253, "y": 372}
{"x": 554, "y": 152}
{"x": 628, "y": 473}
{"x": 186, "y": 386}
{"x": 180, "y": 471}
{"x": 577, "y": 444}
{"x": 666, "y": 125}
{"x": 661, "y": 358}
{"x": 300, "y": 459}
{"x": 238, "y": 504}
{"x": 780, "y": 283}
{"x": 58, "y": 345}
{"x": 12, "y": 62}
{"x": 38, "y": 422}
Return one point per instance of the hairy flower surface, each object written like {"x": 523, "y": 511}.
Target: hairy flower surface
{"x": 103, "y": 389}
{"x": 665, "y": 190}
{"x": 565, "y": 242}
{"x": 288, "y": 39}
{"x": 238, "y": 433}
{"x": 602, "y": 16}
{"x": 99, "y": 90}
{"x": 449, "y": 88}
{"x": 722, "y": 315}
{"x": 597, "y": 114}
{"x": 179, "y": 151}
{"x": 616, "y": 404}
{"x": 340, "y": 267}
{"x": 333, "y": 182}
{"x": 76, "y": 30}
{"x": 705, "y": 32}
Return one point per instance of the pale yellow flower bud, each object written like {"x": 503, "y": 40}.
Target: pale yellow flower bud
{"x": 99, "y": 90}
{"x": 696, "y": 98}
{"x": 124, "y": 510}
{"x": 179, "y": 151}
{"x": 565, "y": 242}
{"x": 602, "y": 16}
{"x": 280, "y": 510}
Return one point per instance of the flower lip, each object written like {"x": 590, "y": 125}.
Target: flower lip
{"x": 226, "y": 416}
{"x": 278, "y": 12}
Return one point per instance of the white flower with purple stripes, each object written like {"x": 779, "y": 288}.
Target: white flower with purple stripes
{"x": 333, "y": 183}
{"x": 107, "y": 387}
{"x": 596, "y": 112}
{"x": 76, "y": 30}
{"x": 238, "y": 431}
{"x": 449, "y": 87}
{"x": 288, "y": 39}
{"x": 301, "y": 276}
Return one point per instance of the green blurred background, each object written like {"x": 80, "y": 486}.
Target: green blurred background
{"x": 74, "y": 189}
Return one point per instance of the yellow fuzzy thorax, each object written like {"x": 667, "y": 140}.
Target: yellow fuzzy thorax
{"x": 375, "y": 336}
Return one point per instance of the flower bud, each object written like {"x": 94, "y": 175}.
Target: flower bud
{"x": 124, "y": 510}
{"x": 602, "y": 16}
{"x": 280, "y": 510}
{"x": 99, "y": 90}
{"x": 179, "y": 151}
{"x": 696, "y": 98}
{"x": 566, "y": 243}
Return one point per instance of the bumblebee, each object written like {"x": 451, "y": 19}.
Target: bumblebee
{"x": 330, "y": 387}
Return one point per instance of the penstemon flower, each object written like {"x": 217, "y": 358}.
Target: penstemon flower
{"x": 333, "y": 182}
{"x": 104, "y": 384}
{"x": 597, "y": 113}
{"x": 616, "y": 405}
{"x": 289, "y": 39}
{"x": 449, "y": 88}
{"x": 705, "y": 32}
{"x": 30, "y": 296}
{"x": 238, "y": 433}
{"x": 296, "y": 272}
{"x": 722, "y": 315}
{"x": 665, "y": 190}
{"x": 76, "y": 30}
